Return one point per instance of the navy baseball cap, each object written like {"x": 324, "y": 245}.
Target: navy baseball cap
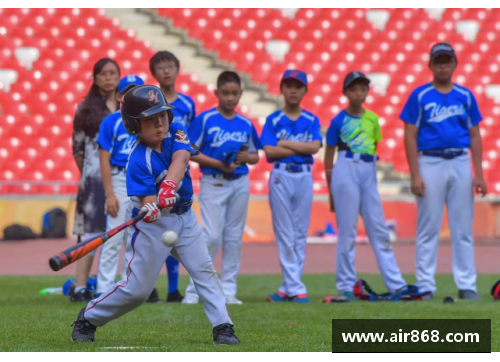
{"x": 295, "y": 74}
{"x": 352, "y": 76}
{"x": 442, "y": 49}
{"x": 128, "y": 81}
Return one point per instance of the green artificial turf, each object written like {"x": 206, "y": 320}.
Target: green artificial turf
{"x": 33, "y": 322}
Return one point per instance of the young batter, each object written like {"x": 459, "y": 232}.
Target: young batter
{"x": 158, "y": 171}
{"x": 441, "y": 124}
{"x": 228, "y": 141}
{"x": 355, "y": 131}
{"x": 115, "y": 145}
{"x": 290, "y": 137}
{"x": 164, "y": 67}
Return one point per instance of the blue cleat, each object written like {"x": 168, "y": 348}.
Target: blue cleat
{"x": 301, "y": 298}
{"x": 349, "y": 295}
{"x": 277, "y": 297}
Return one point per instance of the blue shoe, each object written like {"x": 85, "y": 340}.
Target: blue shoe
{"x": 301, "y": 298}
{"x": 277, "y": 297}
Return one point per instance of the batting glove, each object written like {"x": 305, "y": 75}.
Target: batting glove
{"x": 168, "y": 195}
{"x": 152, "y": 211}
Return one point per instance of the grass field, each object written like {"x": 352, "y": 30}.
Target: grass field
{"x": 33, "y": 322}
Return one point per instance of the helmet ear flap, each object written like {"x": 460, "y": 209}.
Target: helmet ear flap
{"x": 170, "y": 116}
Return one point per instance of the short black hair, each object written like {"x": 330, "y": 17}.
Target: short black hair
{"x": 228, "y": 77}
{"x": 162, "y": 56}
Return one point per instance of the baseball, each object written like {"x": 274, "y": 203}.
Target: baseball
{"x": 169, "y": 238}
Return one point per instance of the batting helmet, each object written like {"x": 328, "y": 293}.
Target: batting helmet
{"x": 140, "y": 102}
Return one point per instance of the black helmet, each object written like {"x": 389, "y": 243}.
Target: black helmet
{"x": 140, "y": 102}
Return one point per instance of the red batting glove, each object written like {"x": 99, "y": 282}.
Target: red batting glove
{"x": 168, "y": 195}
{"x": 152, "y": 211}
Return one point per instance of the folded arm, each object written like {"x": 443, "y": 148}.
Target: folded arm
{"x": 303, "y": 148}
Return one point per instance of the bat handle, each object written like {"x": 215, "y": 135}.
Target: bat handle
{"x": 142, "y": 214}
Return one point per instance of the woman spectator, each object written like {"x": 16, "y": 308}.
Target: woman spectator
{"x": 90, "y": 218}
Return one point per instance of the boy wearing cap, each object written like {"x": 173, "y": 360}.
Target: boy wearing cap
{"x": 290, "y": 137}
{"x": 441, "y": 125}
{"x": 114, "y": 147}
{"x": 355, "y": 131}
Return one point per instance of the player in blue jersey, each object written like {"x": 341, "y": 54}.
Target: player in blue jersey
{"x": 164, "y": 67}
{"x": 290, "y": 137}
{"x": 228, "y": 142}
{"x": 158, "y": 172}
{"x": 114, "y": 147}
{"x": 441, "y": 126}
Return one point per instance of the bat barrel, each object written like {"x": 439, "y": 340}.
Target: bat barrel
{"x": 55, "y": 263}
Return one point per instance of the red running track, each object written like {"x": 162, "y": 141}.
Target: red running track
{"x": 31, "y": 258}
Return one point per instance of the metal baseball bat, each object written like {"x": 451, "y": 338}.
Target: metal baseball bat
{"x": 72, "y": 254}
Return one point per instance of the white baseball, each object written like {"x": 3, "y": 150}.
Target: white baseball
{"x": 169, "y": 238}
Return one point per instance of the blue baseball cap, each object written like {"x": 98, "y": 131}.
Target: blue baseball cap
{"x": 128, "y": 81}
{"x": 352, "y": 76}
{"x": 442, "y": 49}
{"x": 295, "y": 74}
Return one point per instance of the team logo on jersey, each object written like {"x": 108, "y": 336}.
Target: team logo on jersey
{"x": 181, "y": 137}
{"x": 439, "y": 114}
{"x": 222, "y": 137}
{"x": 153, "y": 96}
{"x": 299, "y": 137}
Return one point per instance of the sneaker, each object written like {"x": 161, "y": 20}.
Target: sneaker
{"x": 190, "y": 299}
{"x": 154, "y": 297}
{"x": 83, "y": 330}
{"x": 175, "y": 297}
{"x": 224, "y": 334}
{"x": 427, "y": 297}
{"x": 349, "y": 295}
{"x": 232, "y": 300}
{"x": 468, "y": 294}
{"x": 301, "y": 298}
{"x": 277, "y": 297}
{"x": 83, "y": 295}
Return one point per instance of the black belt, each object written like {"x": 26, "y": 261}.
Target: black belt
{"x": 226, "y": 176}
{"x": 448, "y": 155}
{"x": 182, "y": 208}
{"x": 293, "y": 167}
{"x": 177, "y": 209}
{"x": 363, "y": 157}
{"x": 119, "y": 168}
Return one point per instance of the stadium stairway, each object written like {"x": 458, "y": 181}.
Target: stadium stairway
{"x": 195, "y": 59}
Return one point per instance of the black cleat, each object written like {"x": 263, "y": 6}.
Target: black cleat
{"x": 83, "y": 295}
{"x": 83, "y": 330}
{"x": 175, "y": 297}
{"x": 224, "y": 334}
{"x": 154, "y": 297}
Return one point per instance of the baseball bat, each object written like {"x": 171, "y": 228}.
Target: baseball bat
{"x": 72, "y": 254}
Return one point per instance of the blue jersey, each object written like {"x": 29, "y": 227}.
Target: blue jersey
{"x": 279, "y": 127}
{"x": 217, "y": 137}
{"x": 147, "y": 168}
{"x": 185, "y": 110}
{"x": 443, "y": 120}
{"x": 113, "y": 137}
